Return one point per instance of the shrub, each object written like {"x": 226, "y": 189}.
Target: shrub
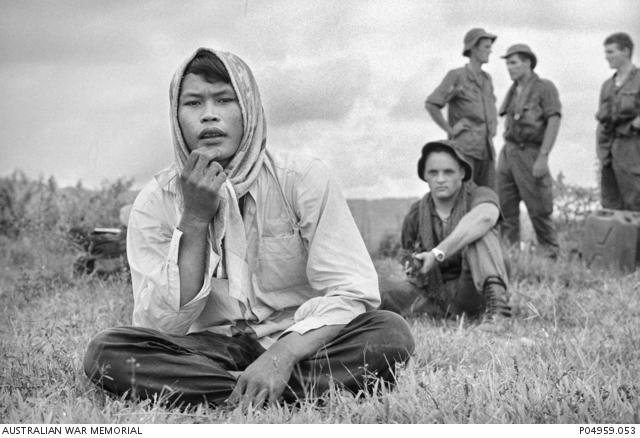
{"x": 41, "y": 224}
{"x": 573, "y": 203}
{"x": 38, "y": 205}
{"x": 389, "y": 246}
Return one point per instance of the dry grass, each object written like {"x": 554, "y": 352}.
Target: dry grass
{"x": 571, "y": 354}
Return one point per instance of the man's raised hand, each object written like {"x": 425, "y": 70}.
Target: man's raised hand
{"x": 200, "y": 182}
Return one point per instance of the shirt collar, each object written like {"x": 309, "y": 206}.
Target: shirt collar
{"x": 632, "y": 73}
{"x": 167, "y": 179}
{"x": 472, "y": 75}
{"x": 532, "y": 78}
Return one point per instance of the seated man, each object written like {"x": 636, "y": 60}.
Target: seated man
{"x": 451, "y": 244}
{"x": 251, "y": 282}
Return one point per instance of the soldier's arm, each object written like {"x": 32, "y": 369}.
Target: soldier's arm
{"x": 550, "y": 135}
{"x": 436, "y": 115}
{"x": 474, "y": 225}
{"x": 440, "y": 97}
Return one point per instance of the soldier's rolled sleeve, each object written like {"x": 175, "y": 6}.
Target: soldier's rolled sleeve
{"x": 443, "y": 92}
{"x": 551, "y": 105}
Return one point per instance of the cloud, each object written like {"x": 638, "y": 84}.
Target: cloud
{"x": 409, "y": 104}
{"x": 320, "y": 90}
{"x": 84, "y": 83}
{"x": 544, "y": 15}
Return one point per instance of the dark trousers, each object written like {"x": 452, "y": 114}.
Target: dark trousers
{"x": 484, "y": 171}
{"x": 481, "y": 259}
{"x": 516, "y": 183}
{"x": 620, "y": 181}
{"x": 609, "y": 190}
{"x": 197, "y": 367}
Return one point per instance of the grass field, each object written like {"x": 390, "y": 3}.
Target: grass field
{"x": 571, "y": 354}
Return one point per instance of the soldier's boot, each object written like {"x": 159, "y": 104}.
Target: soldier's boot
{"x": 495, "y": 294}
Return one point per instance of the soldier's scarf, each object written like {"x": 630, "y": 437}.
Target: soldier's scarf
{"x": 426, "y": 230}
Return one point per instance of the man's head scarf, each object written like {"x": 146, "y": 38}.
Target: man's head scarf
{"x": 245, "y": 165}
{"x": 227, "y": 227}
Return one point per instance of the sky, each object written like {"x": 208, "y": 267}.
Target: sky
{"x": 84, "y": 84}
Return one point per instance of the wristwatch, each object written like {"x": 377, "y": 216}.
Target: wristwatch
{"x": 438, "y": 254}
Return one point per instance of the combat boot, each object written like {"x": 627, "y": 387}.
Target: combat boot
{"x": 495, "y": 295}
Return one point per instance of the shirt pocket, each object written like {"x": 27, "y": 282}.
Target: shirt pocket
{"x": 282, "y": 262}
{"x": 531, "y": 113}
{"x": 629, "y": 102}
{"x": 466, "y": 93}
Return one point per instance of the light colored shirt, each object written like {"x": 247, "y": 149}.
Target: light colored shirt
{"x": 307, "y": 264}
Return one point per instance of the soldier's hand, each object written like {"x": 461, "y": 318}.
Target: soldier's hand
{"x": 427, "y": 261}
{"x": 460, "y": 126}
{"x": 200, "y": 182}
{"x": 412, "y": 266}
{"x": 540, "y": 167}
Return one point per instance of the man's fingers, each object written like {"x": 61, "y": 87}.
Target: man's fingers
{"x": 422, "y": 258}
{"x": 274, "y": 394}
{"x": 249, "y": 395}
{"x": 423, "y": 267}
{"x": 217, "y": 179}
{"x": 261, "y": 398}
{"x": 202, "y": 162}
{"x": 191, "y": 161}
{"x": 236, "y": 394}
{"x": 539, "y": 172}
{"x": 210, "y": 154}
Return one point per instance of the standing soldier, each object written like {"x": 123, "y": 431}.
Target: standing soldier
{"x": 472, "y": 118}
{"x": 532, "y": 109}
{"x": 618, "y": 133}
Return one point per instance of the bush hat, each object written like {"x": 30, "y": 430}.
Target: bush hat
{"x": 522, "y": 48}
{"x": 452, "y": 147}
{"x": 473, "y": 36}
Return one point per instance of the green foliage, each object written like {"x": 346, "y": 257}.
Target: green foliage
{"x": 28, "y": 206}
{"x": 37, "y": 249}
{"x": 570, "y": 354}
{"x": 572, "y": 204}
{"x": 389, "y": 246}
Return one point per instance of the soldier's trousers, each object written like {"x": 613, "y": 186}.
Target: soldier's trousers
{"x": 620, "y": 181}
{"x": 516, "y": 183}
{"x": 480, "y": 260}
{"x": 484, "y": 171}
